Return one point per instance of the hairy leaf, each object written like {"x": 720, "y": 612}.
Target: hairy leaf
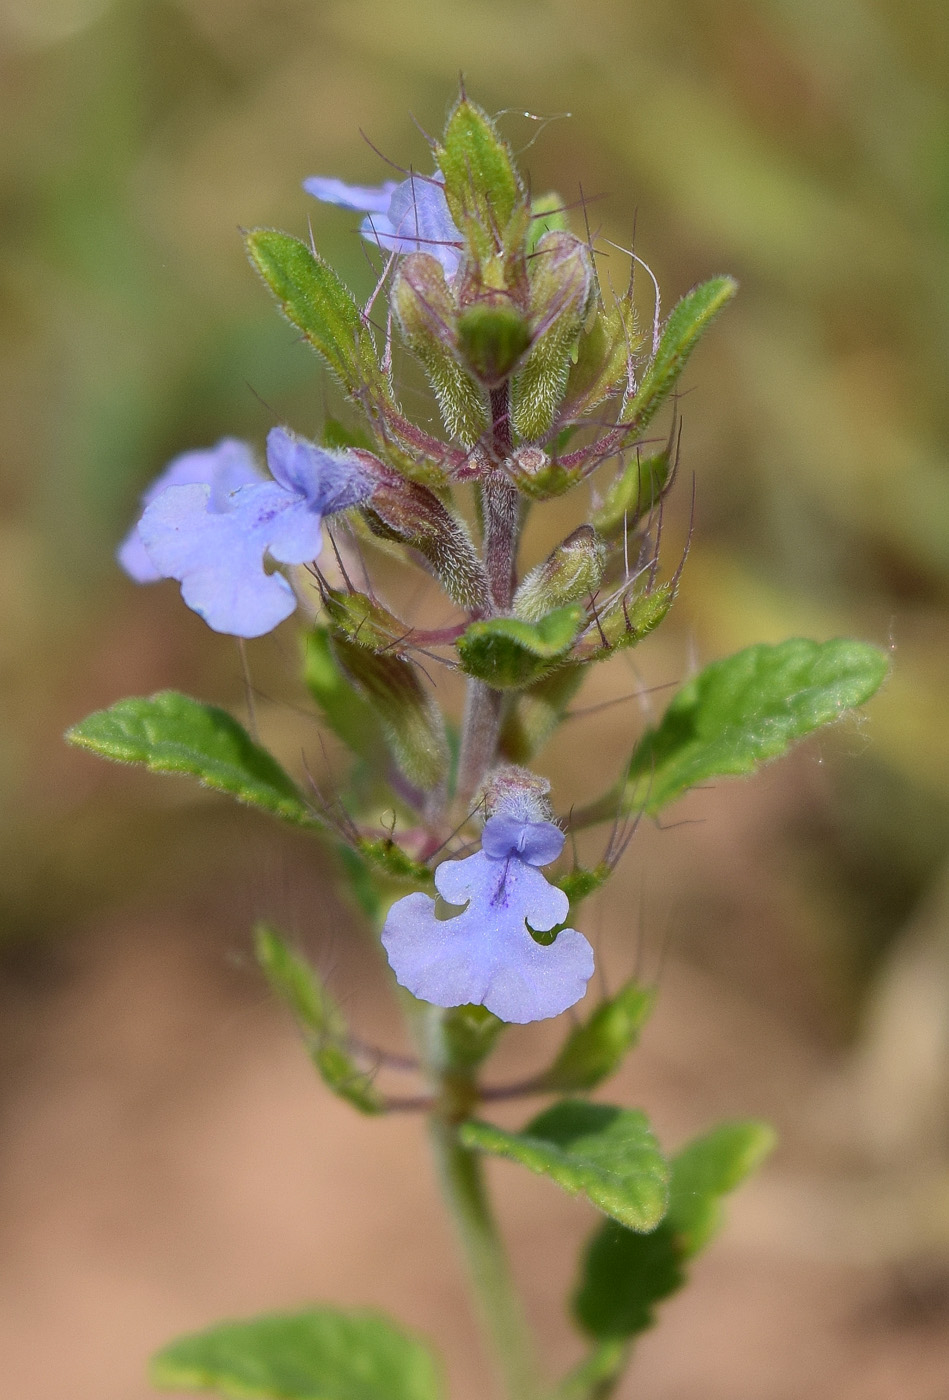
{"x": 607, "y": 1154}
{"x": 171, "y": 733}
{"x": 320, "y": 1354}
{"x": 315, "y": 300}
{"x": 689, "y": 318}
{"x": 749, "y": 708}
{"x": 625, "y": 1274}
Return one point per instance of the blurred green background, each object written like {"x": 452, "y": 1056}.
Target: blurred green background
{"x": 802, "y": 145}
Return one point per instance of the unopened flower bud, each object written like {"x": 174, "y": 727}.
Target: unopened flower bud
{"x": 513, "y": 791}
{"x": 426, "y": 315}
{"x": 492, "y": 336}
{"x": 561, "y": 286}
{"x": 572, "y": 571}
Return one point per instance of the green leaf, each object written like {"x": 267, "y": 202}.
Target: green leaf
{"x": 509, "y": 653}
{"x": 708, "y": 1168}
{"x": 625, "y": 1274}
{"x": 596, "y": 1049}
{"x": 319, "y": 1018}
{"x": 317, "y": 302}
{"x": 749, "y": 708}
{"x": 171, "y": 733}
{"x": 320, "y": 1354}
{"x": 607, "y": 1154}
{"x": 689, "y": 318}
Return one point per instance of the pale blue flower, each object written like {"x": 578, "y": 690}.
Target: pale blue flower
{"x": 213, "y": 537}
{"x": 407, "y": 217}
{"x": 486, "y": 954}
{"x": 223, "y": 468}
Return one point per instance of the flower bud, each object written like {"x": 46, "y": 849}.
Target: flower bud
{"x": 426, "y": 315}
{"x": 513, "y": 791}
{"x": 492, "y": 336}
{"x": 571, "y": 572}
{"x": 561, "y": 285}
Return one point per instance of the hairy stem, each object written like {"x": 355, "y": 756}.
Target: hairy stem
{"x": 479, "y": 736}
{"x": 500, "y": 509}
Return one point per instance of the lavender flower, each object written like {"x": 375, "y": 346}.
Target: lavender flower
{"x": 408, "y": 217}
{"x": 213, "y": 532}
{"x": 486, "y": 954}
{"x": 224, "y": 468}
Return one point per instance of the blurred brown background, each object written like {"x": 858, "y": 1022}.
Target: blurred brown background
{"x": 165, "y": 1157}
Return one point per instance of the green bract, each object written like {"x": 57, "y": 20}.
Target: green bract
{"x": 509, "y": 653}
{"x": 689, "y": 318}
{"x": 315, "y": 300}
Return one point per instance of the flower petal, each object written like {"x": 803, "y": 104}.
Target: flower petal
{"x": 218, "y": 557}
{"x": 417, "y": 220}
{"x": 224, "y": 468}
{"x": 369, "y": 199}
{"x": 486, "y": 954}
{"x": 327, "y": 481}
{"x": 537, "y": 843}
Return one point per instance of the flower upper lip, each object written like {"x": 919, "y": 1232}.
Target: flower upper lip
{"x": 406, "y": 216}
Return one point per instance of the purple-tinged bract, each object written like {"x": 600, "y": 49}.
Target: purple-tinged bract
{"x": 486, "y": 954}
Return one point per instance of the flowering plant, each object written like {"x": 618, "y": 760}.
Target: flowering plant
{"x": 543, "y": 382}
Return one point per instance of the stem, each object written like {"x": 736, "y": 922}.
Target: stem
{"x": 499, "y": 1306}
{"x": 500, "y": 508}
{"x": 479, "y": 738}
